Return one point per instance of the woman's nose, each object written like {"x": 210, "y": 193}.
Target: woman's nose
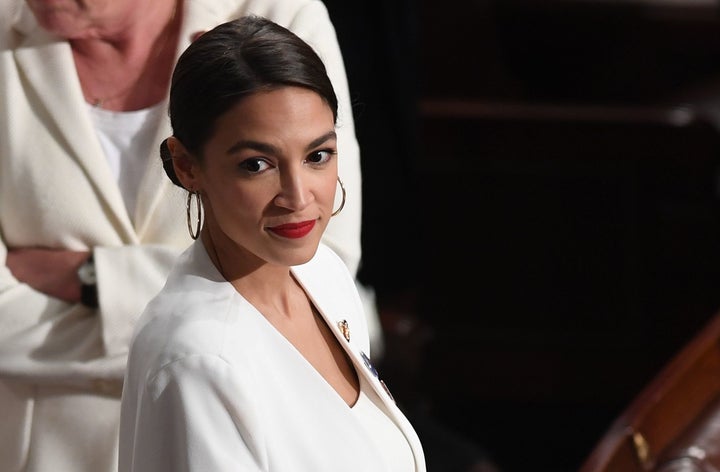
{"x": 294, "y": 192}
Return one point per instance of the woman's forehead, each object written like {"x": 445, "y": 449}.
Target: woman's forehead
{"x": 288, "y": 116}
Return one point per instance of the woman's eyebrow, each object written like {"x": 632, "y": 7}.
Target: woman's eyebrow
{"x": 270, "y": 149}
{"x": 318, "y": 141}
{"x": 255, "y": 145}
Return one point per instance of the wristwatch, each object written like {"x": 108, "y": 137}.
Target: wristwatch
{"x": 88, "y": 283}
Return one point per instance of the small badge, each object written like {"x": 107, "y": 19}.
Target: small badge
{"x": 344, "y": 329}
{"x": 368, "y": 364}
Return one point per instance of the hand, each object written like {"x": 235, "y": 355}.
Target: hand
{"x": 50, "y": 271}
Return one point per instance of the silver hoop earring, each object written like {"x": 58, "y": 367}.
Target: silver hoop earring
{"x": 342, "y": 204}
{"x": 194, "y": 234}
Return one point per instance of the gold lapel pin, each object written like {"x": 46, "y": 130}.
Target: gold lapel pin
{"x": 344, "y": 329}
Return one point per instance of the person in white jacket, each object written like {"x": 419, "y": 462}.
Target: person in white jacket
{"x": 83, "y": 101}
{"x": 255, "y": 354}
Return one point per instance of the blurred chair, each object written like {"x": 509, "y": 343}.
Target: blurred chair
{"x": 673, "y": 425}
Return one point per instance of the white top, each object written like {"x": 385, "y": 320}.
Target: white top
{"x": 127, "y": 137}
{"x": 390, "y": 441}
{"x": 211, "y": 385}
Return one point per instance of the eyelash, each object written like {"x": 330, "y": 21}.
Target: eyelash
{"x": 329, "y": 152}
{"x": 244, "y": 165}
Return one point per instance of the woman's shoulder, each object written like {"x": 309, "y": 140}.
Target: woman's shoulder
{"x": 284, "y": 12}
{"x": 187, "y": 328}
{"x": 193, "y": 313}
{"x": 9, "y": 16}
{"x": 275, "y": 10}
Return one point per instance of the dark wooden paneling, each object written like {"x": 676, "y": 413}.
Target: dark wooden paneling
{"x": 562, "y": 169}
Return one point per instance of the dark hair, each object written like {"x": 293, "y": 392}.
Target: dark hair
{"x": 230, "y": 62}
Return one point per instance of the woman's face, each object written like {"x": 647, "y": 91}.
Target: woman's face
{"x": 269, "y": 175}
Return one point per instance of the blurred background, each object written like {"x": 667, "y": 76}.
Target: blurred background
{"x": 541, "y": 210}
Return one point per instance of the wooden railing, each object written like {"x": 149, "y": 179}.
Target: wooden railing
{"x": 671, "y": 419}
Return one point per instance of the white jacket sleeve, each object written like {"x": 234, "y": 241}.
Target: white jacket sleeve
{"x": 141, "y": 270}
{"x": 190, "y": 416}
{"x": 52, "y": 341}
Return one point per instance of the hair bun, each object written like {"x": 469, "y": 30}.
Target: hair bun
{"x": 167, "y": 163}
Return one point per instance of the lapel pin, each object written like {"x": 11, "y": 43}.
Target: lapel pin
{"x": 344, "y": 329}
{"x": 368, "y": 364}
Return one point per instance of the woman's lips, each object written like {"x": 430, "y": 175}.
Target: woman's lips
{"x": 293, "y": 230}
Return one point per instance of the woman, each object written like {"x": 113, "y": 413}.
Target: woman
{"x": 83, "y": 100}
{"x": 254, "y": 356}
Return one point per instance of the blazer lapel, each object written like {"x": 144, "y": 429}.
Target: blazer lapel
{"x": 342, "y": 316}
{"x": 336, "y": 306}
{"x": 45, "y": 62}
{"x": 365, "y": 368}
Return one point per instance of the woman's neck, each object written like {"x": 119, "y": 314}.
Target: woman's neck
{"x": 268, "y": 286}
{"x": 127, "y": 65}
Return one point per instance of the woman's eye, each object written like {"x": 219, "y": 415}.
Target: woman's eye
{"x": 321, "y": 157}
{"x": 254, "y": 165}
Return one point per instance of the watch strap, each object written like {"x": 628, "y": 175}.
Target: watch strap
{"x": 89, "y": 295}
{"x": 88, "y": 286}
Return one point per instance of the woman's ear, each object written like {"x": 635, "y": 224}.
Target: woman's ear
{"x": 184, "y": 163}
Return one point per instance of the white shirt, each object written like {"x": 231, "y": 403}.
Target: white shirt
{"x": 127, "y": 138}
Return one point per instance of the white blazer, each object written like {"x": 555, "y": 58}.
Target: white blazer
{"x": 59, "y": 361}
{"x": 211, "y": 385}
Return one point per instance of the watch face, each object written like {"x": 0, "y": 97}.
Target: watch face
{"x": 86, "y": 273}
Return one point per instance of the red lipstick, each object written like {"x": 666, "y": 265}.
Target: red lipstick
{"x": 293, "y": 230}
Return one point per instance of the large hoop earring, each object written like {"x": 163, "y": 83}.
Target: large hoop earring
{"x": 194, "y": 234}
{"x": 342, "y": 204}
